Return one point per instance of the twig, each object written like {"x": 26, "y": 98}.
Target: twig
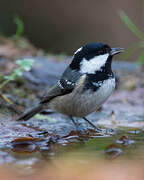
{"x": 6, "y": 99}
{"x": 11, "y": 105}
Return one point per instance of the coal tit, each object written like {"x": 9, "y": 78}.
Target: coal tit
{"x": 84, "y": 86}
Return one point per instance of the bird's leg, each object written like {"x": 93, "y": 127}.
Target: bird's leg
{"x": 95, "y": 127}
{"x": 76, "y": 125}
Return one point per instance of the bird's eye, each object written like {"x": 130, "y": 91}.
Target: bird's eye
{"x": 102, "y": 51}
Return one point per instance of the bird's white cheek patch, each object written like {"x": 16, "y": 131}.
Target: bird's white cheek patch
{"x": 95, "y": 64}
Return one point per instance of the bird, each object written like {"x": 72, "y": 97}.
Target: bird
{"x": 84, "y": 86}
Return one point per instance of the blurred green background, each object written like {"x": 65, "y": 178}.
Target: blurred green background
{"x": 61, "y": 26}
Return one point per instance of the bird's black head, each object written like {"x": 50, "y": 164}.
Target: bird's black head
{"x": 92, "y": 57}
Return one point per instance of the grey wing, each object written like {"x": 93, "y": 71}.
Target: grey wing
{"x": 64, "y": 86}
{"x": 56, "y": 90}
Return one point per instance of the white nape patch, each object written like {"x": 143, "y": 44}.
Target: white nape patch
{"x": 94, "y": 64}
{"x": 78, "y": 50}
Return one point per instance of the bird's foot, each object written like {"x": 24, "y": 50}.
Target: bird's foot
{"x": 95, "y": 127}
{"x": 109, "y": 131}
{"x": 78, "y": 127}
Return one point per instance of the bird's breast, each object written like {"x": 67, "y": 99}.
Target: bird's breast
{"x": 80, "y": 103}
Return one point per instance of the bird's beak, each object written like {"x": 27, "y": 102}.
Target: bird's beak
{"x": 115, "y": 51}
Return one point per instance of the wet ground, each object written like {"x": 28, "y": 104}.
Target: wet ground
{"x": 32, "y": 145}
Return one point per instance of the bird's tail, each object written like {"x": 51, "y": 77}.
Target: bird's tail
{"x": 30, "y": 113}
